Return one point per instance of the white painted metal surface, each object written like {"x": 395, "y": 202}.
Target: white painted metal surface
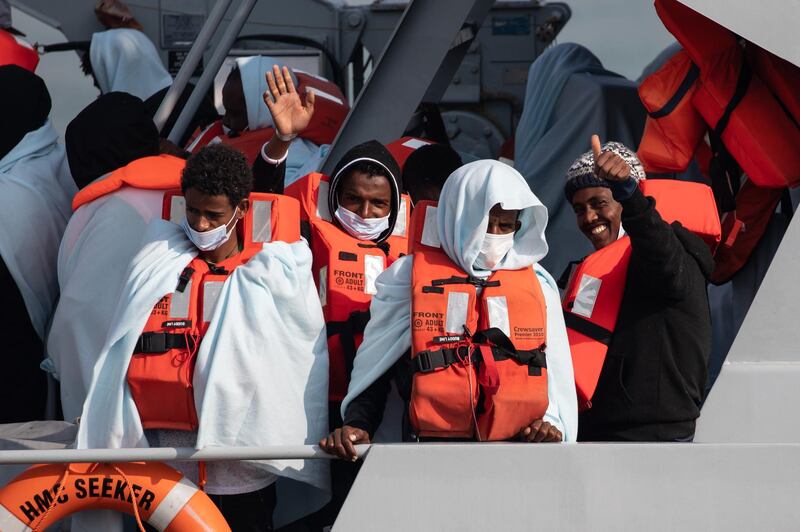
{"x": 771, "y": 25}
{"x": 579, "y": 487}
{"x": 755, "y": 396}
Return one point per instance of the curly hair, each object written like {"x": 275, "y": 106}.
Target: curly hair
{"x": 219, "y": 170}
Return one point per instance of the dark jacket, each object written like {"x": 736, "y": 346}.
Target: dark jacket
{"x": 651, "y": 385}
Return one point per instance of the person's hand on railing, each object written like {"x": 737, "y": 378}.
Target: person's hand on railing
{"x": 540, "y": 431}
{"x": 342, "y": 442}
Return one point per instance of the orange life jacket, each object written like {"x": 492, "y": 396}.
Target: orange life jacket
{"x": 15, "y": 50}
{"x": 345, "y": 270}
{"x": 162, "y": 367}
{"x": 740, "y": 109}
{"x": 673, "y": 128}
{"x": 479, "y": 359}
{"x": 593, "y": 296}
{"x": 330, "y": 110}
{"x": 158, "y": 172}
{"x": 403, "y": 147}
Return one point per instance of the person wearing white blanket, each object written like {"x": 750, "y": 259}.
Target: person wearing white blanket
{"x": 35, "y": 194}
{"x": 242, "y": 324}
{"x": 489, "y": 227}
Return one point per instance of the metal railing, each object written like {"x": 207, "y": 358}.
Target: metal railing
{"x": 168, "y": 454}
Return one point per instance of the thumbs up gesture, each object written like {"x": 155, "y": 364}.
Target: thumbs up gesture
{"x": 607, "y": 164}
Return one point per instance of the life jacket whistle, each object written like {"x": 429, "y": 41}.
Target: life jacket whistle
{"x": 480, "y": 369}
{"x": 345, "y": 270}
{"x": 161, "y": 370}
{"x": 594, "y": 292}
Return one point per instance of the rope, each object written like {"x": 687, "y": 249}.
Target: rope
{"x": 133, "y": 497}
{"x": 62, "y": 485}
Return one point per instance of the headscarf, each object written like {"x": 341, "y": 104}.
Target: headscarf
{"x": 24, "y": 105}
{"x": 125, "y": 60}
{"x": 253, "y": 71}
{"x": 463, "y": 215}
{"x": 376, "y": 153}
{"x": 109, "y": 133}
{"x": 581, "y": 172}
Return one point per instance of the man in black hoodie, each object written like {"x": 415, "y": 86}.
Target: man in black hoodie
{"x": 651, "y": 384}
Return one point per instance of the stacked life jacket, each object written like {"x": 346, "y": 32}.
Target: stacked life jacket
{"x": 593, "y": 296}
{"x": 345, "y": 269}
{"x": 15, "y": 50}
{"x": 746, "y": 101}
{"x": 402, "y": 148}
{"x": 477, "y": 345}
{"x": 330, "y": 110}
{"x": 162, "y": 367}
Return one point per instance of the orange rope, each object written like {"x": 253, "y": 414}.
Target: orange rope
{"x": 133, "y": 497}
{"x": 62, "y": 485}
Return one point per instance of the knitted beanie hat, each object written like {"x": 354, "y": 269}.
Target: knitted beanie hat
{"x": 581, "y": 172}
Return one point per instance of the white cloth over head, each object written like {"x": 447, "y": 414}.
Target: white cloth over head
{"x": 36, "y": 190}
{"x": 468, "y": 195}
{"x": 125, "y": 60}
{"x": 261, "y": 374}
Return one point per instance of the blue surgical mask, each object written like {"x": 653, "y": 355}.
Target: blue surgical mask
{"x": 211, "y": 239}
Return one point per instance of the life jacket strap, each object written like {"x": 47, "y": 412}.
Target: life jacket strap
{"x": 347, "y": 330}
{"x": 159, "y": 342}
{"x": 464, "y": 280}
{"x": 587, "y": 328}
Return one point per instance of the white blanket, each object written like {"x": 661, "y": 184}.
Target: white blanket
{"x": 36, "y": 191}
{"x": 468, "y": 195}
{"x": 98, "y": 244}
{"x": 261, "y": 375}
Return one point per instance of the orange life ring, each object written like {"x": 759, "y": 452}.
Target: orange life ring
{"x": 44, "y": 494}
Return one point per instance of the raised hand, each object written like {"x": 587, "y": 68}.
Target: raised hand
{"x": 289, "y": 113}
{"x": 607, "y": 164}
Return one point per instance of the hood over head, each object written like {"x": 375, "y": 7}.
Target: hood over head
{"x": 125, "y": 60}
{"x": 109, "y": 133}
{"x": 253, "y": 71}
{"x": 24, "y": 105}
{"x": 463, "y": 215}
{"x": 376, "y": 153}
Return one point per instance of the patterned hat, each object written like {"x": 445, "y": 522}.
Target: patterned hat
{"x": 581, "y": 173}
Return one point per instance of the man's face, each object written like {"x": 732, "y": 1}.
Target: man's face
{"x": 598, "y": 215}
{"x": 205, "y": 212}
{"x": 233, "y": 100}
{"x": 502, "y": 222}
{"x": 367, "y": 196}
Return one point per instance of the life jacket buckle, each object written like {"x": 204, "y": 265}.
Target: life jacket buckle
{"x": 153, "y": 343}
{"x": 429, "y": 361}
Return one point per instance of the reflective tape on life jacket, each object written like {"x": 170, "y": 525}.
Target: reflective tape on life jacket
{"x": 345, "y": 270}
{"x": 403, "y": 147}
{"x": 43, "y": 495}
{"x": 594, "y": 292}
{"x": 674, "y": 128}
{"x": 739, "y": 108}
{"x": 161, "y": 370}
{"x": 330, "y": 110}
{"x": 15, "y": 50}
{"x": 479, "y": 356}
{"x": 158, "y": 172}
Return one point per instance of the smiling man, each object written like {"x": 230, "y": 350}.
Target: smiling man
{"x": 651, "y": 383}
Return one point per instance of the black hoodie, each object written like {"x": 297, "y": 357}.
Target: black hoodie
{"x": 652, "y": 381}
{"x": 269, "y": 178}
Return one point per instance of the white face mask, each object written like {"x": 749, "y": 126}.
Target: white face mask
{"x": 212, "y": 239}
{"x": 493, "y": 249}
{"x": 358, "y": 227}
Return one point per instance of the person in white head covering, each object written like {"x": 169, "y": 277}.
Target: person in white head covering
{"x": 125, "y": 60}
{"x": 490, "y": 226}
